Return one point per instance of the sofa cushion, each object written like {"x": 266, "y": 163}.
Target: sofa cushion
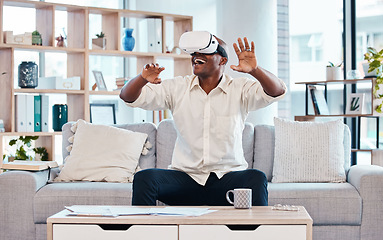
{"x": 102, "y": 153}
{"x": 167, "y": 135}
{"x": 327, "y": 203}
{"x": 264, "y": 149}
{"x": 308, "y": 151}
{"x": 145, "y": 161}
{"x": 54, "y": 197}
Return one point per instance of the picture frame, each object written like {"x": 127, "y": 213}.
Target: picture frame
{"x": 102, "y": 113}
{"x": 99, "y": 78}
{"x": 355, "y": 103}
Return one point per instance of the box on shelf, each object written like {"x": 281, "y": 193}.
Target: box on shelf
{"x": 72, "y": 83}
{"x": 25, "y": 38}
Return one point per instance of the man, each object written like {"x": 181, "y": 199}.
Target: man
{"x": 209, "y": 110}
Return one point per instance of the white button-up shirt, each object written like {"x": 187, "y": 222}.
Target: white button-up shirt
{"x": 209, "y": 126}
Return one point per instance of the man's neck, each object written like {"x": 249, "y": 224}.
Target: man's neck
{"x": 210, "y": 82}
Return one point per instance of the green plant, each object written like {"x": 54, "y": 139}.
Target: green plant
{"x": 330, "y": 64}
{"x": 375, "y": 60}
{"x": 101, "y": 35}
{"x": 42, "y": 151}
{"x": 23, "y": 147}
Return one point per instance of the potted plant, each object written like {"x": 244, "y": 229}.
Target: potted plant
{"x": 24, "y": 149}
{"x": 334, "y": 71}
{"x": 375, "y": 60}
{"x": 99, "y": 42}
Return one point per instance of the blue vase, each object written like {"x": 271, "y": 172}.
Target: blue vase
{"x": 128, "y": 40}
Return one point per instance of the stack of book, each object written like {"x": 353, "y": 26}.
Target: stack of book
{"x": 120, "y": 82}
{"x": 29, "y": 165}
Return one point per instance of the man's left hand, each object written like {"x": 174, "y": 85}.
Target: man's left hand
{"x": 246, "y": 56}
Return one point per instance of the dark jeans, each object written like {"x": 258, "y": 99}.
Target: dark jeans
{"x": 178, "y": 188}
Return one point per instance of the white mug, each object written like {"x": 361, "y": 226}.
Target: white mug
{"x": 242, "y": 197}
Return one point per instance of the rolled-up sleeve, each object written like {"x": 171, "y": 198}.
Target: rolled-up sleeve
{"x": 153, "y": 97}
{"x": 255, "y": 97}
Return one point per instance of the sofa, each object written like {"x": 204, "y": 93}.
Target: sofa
{"x": 350, "y": 210}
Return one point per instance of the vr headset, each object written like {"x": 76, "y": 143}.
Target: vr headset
{"x": 202, "y": 42}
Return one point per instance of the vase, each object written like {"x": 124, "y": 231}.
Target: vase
{"x": 334, "y": 73}
{"x": 99, "y": 43}
{"x": 128, "y": 40}
{"x": 60, "y": 116}
{"x": 28, "y": 75}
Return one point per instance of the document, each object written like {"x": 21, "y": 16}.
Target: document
{"x": 115, "y": 211}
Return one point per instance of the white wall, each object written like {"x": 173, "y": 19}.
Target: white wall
{"x": 203, "y": 11}
{"x": 256, "y": 20}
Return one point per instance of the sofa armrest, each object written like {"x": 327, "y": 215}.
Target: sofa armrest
{"x": 368, "y": 180}
{"x": 17, "y": 191}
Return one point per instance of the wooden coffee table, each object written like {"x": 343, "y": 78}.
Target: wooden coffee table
{"x": 224, "y": 224}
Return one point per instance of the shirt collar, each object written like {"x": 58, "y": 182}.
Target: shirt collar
{"x": 223, "y": 84}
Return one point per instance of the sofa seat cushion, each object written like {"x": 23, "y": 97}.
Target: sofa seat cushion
{"x": 54, "y": 197}
{"x": 327, "y": 203}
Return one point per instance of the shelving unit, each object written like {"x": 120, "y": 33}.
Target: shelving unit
{"x": 78, "y": 52}
{"x": 372, "y": 114}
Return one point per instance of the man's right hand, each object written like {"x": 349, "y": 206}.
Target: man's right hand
{"x": 151, "y": 73}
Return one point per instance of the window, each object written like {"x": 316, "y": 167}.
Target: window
{"x": 307, "y": 48}
{"x": 315, "y": 39}
{"x": 369, "y": 30}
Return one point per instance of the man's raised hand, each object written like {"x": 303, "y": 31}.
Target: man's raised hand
{"x": 246, "y": 56}
{"x": 151, "y": 73}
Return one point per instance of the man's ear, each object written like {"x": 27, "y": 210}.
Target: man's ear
{"x": 223, "y": 61}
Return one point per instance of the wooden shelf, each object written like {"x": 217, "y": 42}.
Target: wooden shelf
{"x": 335, "y": 115}
{"x": 78, "y": 53}
{"x": 40, "y": 5}
{"x": 50, "y": 91}
{"x": 348, "y": 81}
{"x": 373, "y": 101}
{"x": 114, "y": 92}
{"x": 362, "y": 150}
{"x": 30, "y": 133}
{"x": 42, "y": 48}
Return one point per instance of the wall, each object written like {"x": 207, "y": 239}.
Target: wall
{"x": 257, "y": 20}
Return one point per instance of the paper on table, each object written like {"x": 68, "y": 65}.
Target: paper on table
{"x": 126, "y": 210}
{"x": 181, "y": 211}
{"x": 114, "y": 211}
{"x": 86, "y": 210}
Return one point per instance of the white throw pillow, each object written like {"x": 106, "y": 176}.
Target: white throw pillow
{"x": 102, "y": 153}
{"x": 308, "y": 151}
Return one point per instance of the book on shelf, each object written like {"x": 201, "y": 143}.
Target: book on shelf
{"x": 319, "y": 101}
{"x": 30, "y": 107}
{"x": 31, "y": 113}
{"x": 44, "y": 113}
{"x": 150, "y": 32}
{"x": 21, "y": 113}
{"x": 37, "y": 113}
{"x": 120, "y": 82}
{"x": 29, "y": 165}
